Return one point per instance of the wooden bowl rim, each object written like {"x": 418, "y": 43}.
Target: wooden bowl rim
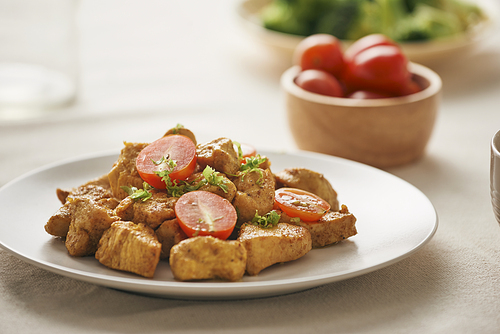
{"x": 434, "y": 80}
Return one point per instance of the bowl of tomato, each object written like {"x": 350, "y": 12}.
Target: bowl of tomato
{"x": 367, "y": 103}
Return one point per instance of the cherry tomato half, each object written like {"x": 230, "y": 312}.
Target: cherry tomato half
{"x": 367, "y": 42}
{"x": 382, "y": 69}
{"x": 321, "y": 52}
{"x": 156, "y": 158}
{"x": 319, "y": 82}
{"x": 202, "y": 213}
{"x": 300, "y": 203}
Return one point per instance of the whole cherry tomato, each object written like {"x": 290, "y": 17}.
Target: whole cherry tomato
{"x": 382, "y": 69}
{"x": 367, "y": 42}
{"x": 320, "y": 52}
{"x": 319, "y": 82}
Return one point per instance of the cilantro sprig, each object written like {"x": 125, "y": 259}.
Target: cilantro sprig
{"x": 252, "y": 165}
{"x": 214, "y": 178}
{"x": 269, "y": 220}
{"x": 139, "y": 194}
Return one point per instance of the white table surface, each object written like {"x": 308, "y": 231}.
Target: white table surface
{"x": 148, "y": 65}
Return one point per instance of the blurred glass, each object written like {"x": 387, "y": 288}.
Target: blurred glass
{"x": 38, "y": 57}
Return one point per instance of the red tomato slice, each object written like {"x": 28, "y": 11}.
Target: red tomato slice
{"x": 321, "y": 52}
{"x": 300, "y": 203}
{"x": 155, "y": 157}
{"x": 202, "y": 213}
{"x": 319, "y": 82}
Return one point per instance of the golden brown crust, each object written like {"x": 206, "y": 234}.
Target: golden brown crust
{"x": 333, "y": 227}
{"x": 124, "y": 172}
{"x": 266, "y": 247}
{"x": 206, "y": 258}
{"x": 129, "y": 247}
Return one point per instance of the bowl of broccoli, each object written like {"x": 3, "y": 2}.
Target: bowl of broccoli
{"x": 427, "y": 30}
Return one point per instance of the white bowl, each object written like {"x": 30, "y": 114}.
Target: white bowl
{"x": 427, "y": 53}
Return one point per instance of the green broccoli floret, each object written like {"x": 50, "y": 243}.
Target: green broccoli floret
{"x": 426, "y": 23}
{"x": 401, "y": 20}
{"x": 281, "y": 16}
{"x": 367, "y": 22}
{"x": 339, "y": 18}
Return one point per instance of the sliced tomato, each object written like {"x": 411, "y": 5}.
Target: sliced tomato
{"x": 202, "y": 213}
{"x": 162, "y": 155}
{"x": 300, "y": 203}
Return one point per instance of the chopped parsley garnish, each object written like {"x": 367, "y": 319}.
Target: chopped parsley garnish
{"x": 252, "y": 165}
{"x": 136, "y": 194}
{"x": 240, "y": 151}
{"x": 214, "y": 178}
{"x": 176, "y": 129}
{"x": 269, "y": 220}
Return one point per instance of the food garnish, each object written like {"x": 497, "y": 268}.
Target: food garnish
{"x": 139, "y": 194}
{"x": 269, "y": 220}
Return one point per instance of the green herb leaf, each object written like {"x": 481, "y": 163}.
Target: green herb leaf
{"x": 240, "y": 151}
{"x": 252, "y": 165}
{"x": 176, "y": 129}
{"x": 136, "y": 194}
{"x": 214, "y": 178}
{"x": 269, "y": 220}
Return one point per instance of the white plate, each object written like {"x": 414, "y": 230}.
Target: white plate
{"x": 426, "y": 53}
{"x": 394, "y": 220}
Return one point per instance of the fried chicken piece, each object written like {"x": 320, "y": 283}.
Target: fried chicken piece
{"x": 267, "y": 246}
{"x": 102, "y": 182}
{"x": 333, "y": 227}
{"x": 179, "y": 130}
{"x": 124, "y": 172}
{"x": 308, "y": 180}
{"x": 206, "y": 258}
{"x": 169, "y": 234}
{"x": 89, "y": 220}
{"x": 129, "y": 247}
{"x": 218, "y": 154}
{"x": 58, "y": 223}
{"x": 153, "y": 212}
{"x": 255, "y": 194}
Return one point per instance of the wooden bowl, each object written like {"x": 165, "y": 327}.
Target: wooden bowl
{"x": 379, "y": 132}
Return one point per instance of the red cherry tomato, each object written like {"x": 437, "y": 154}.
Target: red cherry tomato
{"x": 202, "y": 213}
{"x": 367, "y": 42}
{"x": 156, "y": 158}
{"x": 319, "y": 82}
{"x": 382, "y": 68}
{"x": 321, "y": 52}
{"x": 411, "y": 88}
{"x": 365, "y": 95}
{"x": 300, "y": 203}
